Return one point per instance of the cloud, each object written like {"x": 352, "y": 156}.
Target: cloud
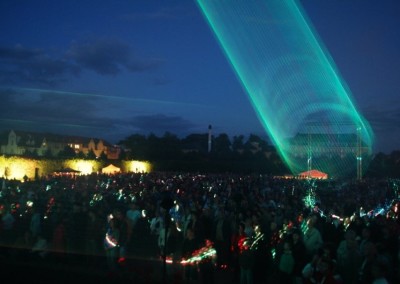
{"x": 164, "y": 13}
{"x": 161, "y": 80}
{"x": 7, "y": 98}
{"x": 19, "y": 64}
{"x": 109, "y": 57}
{"x": 18, "y": 53}
{"x": 88, "y": 114}
{"x": 385, "y": 122}
{"x": 80, "y": 116}
{"x": 160, "y": 123}
{"x": 384, "y": 118}
{"x": 54, "y": 113}
{"x": 44, "y": 106}
{"x": 104, "y": 56}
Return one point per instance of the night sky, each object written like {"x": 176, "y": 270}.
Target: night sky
{"x": 109, "y": 69}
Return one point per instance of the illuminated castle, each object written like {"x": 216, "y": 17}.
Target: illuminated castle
{"x": 21, "y": 143}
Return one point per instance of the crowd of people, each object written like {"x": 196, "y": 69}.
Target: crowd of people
{"x": 262, "y": 229}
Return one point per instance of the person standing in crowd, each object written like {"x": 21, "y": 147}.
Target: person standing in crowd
{"x": 7, "y": 227}
{"x": 332, "y": 230}
{"x": 59, "y": 240}
{"x": 93, "y": 236}
{"x": 286, "y": 264}
{"x": 169, "y": 241}
{"x": 319, "y": 270}
{"x": 246, "y": 261}
{"x": 267, "y": 265}
{"x": 40, "y": 248}
{"x": 207, "y": 265}
{"x": 381, "y": 271}
{"x": 156, "y": 226}
{"x": 237, "y": 239}
{"x": 189, "y": 220}
{"x": 348, "y": 257}
{"x": 133, "y": 214}
{"x": 222, "y": 239}
{"x": 111, "y": 243}
{"x": 369, "y": 255}
{"x": 76, "y": 230}
{"x": 36, "y": 222}
{"x": 125, "y": 232}
{"x": 205, "y": 225}
{"x": 189, "y": 246}
{"x": 312, "y": 237}
{"x": 248, "y": 227}
{"x": 366, "y": 236}
{"x": 299, "y": 255}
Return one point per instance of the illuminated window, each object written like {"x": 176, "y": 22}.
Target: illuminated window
{"x": 76, "y": 146}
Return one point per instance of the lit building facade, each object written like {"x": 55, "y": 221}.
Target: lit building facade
{"x": 20, "y": 143}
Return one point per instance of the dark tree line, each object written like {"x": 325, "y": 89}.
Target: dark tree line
{"x": 385, "y": 165}
{"x": 192, "y": 153}
{"x": 240, "y": 154}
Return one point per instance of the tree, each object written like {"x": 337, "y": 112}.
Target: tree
{"x": 222, "y": 144}
{"x": 171, "y": 145}
{"x": 48, "y": 154}
{"x": 394, "y": 158}
{"x": 91, "y": 155}
{"x": 31, "y": 153}
{"x": 195, "y": 142}
{"x": 67, "y": 153}
{"x": 238, "y": 143}
{"x": 255, "y": 143}
{"x": 137, "y": 144}
{"x": 378, "y": 167}
{"x": 80, "y": 155}
{"x": 103, "y": 156}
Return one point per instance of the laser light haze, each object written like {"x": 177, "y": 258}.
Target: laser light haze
{"x": 292, "y": 82}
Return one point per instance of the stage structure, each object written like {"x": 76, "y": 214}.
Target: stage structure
{"x": 292, "y": 83}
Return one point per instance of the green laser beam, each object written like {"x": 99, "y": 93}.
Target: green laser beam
{"x": 140, "y": 100}
{"x": 291, "y": 81}
{"x": 42, "y": 123}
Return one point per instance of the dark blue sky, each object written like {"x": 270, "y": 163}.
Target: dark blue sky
{"x": 114, "y": 68}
